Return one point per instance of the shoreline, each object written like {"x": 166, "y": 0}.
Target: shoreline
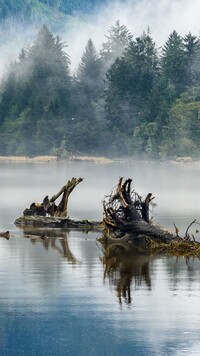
{"x": 49, "y": 159}
{"x": 95, "y": 159}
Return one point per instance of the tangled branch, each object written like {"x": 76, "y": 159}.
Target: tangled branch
{"x": 125, "y": 207}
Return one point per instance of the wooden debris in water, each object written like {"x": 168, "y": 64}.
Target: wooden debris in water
{"x": 5, "y": 234}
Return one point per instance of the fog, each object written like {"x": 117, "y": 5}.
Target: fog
{"x": 50, "y": 300}
{"x": 174, "y": 187}
{"x": 161, "y": 16}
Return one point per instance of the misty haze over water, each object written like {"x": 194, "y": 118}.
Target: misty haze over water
{"x": 65, "y": 295}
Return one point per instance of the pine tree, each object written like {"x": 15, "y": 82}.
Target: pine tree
{"x": 132, "y": 79}
{"x": 88, "y": 106}
{"x": 41, "y": 102}
{"x": 174, "y": 63}
{"x": 89, "y": 71}
{"x": 192, "y": 49}
{"x": 118, "y": 39}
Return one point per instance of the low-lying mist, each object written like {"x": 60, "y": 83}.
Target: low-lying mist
{"x": 160, "y": 16}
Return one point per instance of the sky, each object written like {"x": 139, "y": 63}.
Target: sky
{"x": 161, "y": 16}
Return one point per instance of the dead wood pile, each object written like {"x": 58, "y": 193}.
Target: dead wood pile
{"x": 127, "y": 219}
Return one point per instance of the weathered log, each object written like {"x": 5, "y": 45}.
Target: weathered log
{"x": 48, "y": 214}
{"x": 66, "y": 190}
{"x": 57, "y": 222}
{"x": 48, "y": 206}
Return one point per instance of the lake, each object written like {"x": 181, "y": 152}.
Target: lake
{"x": 67, "y": 296}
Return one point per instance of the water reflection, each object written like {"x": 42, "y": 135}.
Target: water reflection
{"x": 129, "y": 271}
{"x": 55, "y": 239}
{"x": 124, "y": 267}
{"x": 65, "y": 300}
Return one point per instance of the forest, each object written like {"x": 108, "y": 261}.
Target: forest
{"x": 37, "y": 12}
{"x": 128, "y": 99}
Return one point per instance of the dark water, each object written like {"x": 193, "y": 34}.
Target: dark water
{"x": 68, "y": 296}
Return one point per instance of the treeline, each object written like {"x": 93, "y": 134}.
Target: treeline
{"x": 128, "y": 99}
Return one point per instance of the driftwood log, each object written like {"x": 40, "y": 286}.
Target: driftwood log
{"x": 126, "y": 220}
{"x": 48, "y": 207}
{"x": 49, "y": 214}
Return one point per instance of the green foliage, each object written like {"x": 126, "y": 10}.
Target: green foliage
{"x": 147, "y": 104}
{"x": 36, "y": 97}
{"x": 89, "y": 72}
{"x": 118, "y": 39}
{"x": 89, "y": 110}
{"x": 183, "y": 127}
{"x": 174, "y": 62}
{"x": 132, "y": 81}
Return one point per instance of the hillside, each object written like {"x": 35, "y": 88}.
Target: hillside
{"x": 36, "y": 12}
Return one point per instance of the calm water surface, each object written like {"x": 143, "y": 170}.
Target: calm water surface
{"x": 68, "y": 296}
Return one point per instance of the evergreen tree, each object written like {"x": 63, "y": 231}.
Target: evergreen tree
{"x": 42, "y": 100}
{"x": 118, "y": 39}
{"x": 192, "y": 47}
{"x": 130, "y": 97}
{"x": 88, "y": 107}
{"x": 174, "y": 63}
{"x": 183, "y": 126}
{"x": 89, "y": 71}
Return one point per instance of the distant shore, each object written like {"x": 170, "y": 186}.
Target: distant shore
{"x": 47, "y": 159}
{"x": 93, "y": 159}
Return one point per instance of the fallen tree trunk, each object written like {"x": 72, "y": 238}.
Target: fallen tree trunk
{"x": 57, "y": 222}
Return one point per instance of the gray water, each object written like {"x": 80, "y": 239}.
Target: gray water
{"x": 67, "y": 296}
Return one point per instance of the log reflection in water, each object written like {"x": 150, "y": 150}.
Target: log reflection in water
{"x": 124, "y": 266}
{"x": 51, "y": 238}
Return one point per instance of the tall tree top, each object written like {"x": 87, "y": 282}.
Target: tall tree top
{"x": 89, "y": 62}
{"x": 118, "y": 39}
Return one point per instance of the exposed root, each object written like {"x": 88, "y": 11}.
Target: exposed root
{"x": 126, "y": 219}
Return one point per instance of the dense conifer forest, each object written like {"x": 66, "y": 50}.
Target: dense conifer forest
{"x": 128, "y": 99}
